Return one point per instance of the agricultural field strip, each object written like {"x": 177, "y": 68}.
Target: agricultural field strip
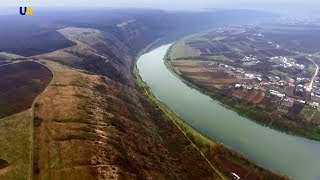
{"x": 32, "y": 118}
{"x": 32, "y": 107}
{"x": 259, "y": 50}
{"x": 217, "y": 53}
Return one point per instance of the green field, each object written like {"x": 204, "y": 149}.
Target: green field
{"x": 279, "y": 73}
{"x": 180, "y": 49}
{"x": 310, "y": 114}
{"x": 15, "y": 139}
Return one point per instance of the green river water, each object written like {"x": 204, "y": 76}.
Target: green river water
{"x": 296, "y": 157}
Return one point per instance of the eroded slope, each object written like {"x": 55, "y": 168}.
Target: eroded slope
{"x": 88, "y": 126}
{"x": 96, "y": 52}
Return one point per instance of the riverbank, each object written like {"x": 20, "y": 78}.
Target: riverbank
{"x": 219, "y": 155}
{"x": 254, "y": 113}
{"x": 202, "y": 139}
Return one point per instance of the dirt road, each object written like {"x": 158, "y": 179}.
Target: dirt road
{"x": 309, "y": 88}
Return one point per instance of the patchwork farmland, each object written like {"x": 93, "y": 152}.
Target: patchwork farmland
{"x": 252, "y": 69}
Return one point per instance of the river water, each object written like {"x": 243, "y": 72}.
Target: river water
{"x": 296, "y": 157}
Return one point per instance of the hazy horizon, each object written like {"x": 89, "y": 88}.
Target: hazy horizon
{"x": 291, "y": 7}
{"x": 177, "y": 4}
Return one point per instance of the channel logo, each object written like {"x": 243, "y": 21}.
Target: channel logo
{"x": 26, "y": 11}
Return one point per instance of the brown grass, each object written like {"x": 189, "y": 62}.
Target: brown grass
{"x": 90, "y": 127}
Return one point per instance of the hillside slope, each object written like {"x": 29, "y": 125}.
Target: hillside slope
{"x": 95, "y": 122}
{"x": 89, "y": 126}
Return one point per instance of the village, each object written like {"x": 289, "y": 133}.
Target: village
{"x": 286, "y": 93}
{"x": 249, "y": 66}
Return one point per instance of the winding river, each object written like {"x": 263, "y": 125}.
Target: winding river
{"x": 296, "y": 157}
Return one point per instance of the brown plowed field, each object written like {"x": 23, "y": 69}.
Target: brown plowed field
{"x": 20, "y": 84}
{"x": 251, "y": 95}
{"x": 257, "y": 99}
{"x": 240, "y": 94}
{"x": 204, "y": 73}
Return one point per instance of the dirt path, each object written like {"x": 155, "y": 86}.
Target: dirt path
{"x": 5, "y": 170}
{"x": 9, "y": 63}
{"x": 32, "y": 120}
{"x": 211, "y": 165}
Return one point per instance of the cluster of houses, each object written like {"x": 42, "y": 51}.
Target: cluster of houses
{"x": 229, "y": 68}
{"x": 286, "y": 62}
{"x": 285, "y": 105}
{"x": 246, "y": 86}
{"x": 274, "y": 80}
{"x": 239, "y": 73}
{"x": 315, "y": 94}
{"x": 277, "y": 94}
{"x": 249, "y": 61}
{"x": 300, "y": 88}
{"x": 286, "y": 102}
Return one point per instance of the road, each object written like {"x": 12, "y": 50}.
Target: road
{"x": 309, "y": 88}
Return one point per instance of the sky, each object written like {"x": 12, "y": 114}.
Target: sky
{"x": 163, "y": 4}
{"x": 273, "y": 5}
